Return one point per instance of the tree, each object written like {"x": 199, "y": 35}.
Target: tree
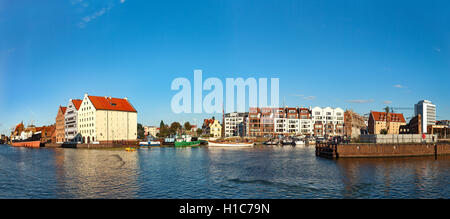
{"x": 140, "y": 131}
{"x": 383, "y": 131}
{"x": 163, "y": 130}
{"x": 174, "y": 127}
{"x": 187, "y": 126}
{"x": 199, "y": 132}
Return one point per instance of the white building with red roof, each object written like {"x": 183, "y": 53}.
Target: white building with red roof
{"x": 106, "y": 119}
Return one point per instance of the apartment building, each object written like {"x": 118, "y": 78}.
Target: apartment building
{"x": 235, "y": 124}
{"x": 59, "y": 132}
{"x": 306, "y": 123}
{"x": 106, "y": 119}
{"x": 295, "y": 121}
{"x": 327, "y": 121}
{"x": 71, "y": 121}
{"x": 427, "y": 111}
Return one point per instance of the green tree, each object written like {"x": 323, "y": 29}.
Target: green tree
{"x": 199, "y": 132}
{"x": 187, "y": 126}
{"x": 174, "y": 128}
{"x": 383, "y": 131}
{"x": 140, "y": 131}
{"x": 163, "y": 130}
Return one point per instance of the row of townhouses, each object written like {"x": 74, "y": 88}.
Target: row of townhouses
{"x": 315, "y": 121}
{"x": 96, "y": 119}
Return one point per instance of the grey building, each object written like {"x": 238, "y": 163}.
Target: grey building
{"x": 428, "y": 113}
{"x": 235, "y": 124}
{"x": 70, "y": 121}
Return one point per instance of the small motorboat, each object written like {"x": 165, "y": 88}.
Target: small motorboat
{"x": 287, "y": 141}
{"x": 149, "y": 143}
{"x": 271, "y": 142}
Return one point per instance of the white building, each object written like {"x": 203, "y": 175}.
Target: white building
{"x": 106, "y": 119}
{"x": 428, "y": 113}
{"x": 151, "y": 130}
{"x": 330, "y": 120}
{"x": 71, "y": 121}
{"x": 235, "y": 124}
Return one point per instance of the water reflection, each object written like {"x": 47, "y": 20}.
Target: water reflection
{"x": 409, "y": 177}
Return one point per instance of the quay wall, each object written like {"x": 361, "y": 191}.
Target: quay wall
{"x": 391, "y": 150}
{"x": 94, "y": 146}
{"x": 382, "y": 150}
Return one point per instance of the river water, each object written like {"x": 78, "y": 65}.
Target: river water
{"x": 259, "y": 172}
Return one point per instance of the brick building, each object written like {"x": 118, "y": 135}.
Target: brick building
{"x": 354, "y": 124}
{"x": 390, "y": 122}
{"x": 60, "y": 124}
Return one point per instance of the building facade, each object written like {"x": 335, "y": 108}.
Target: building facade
{"x": 390, "y": 122}
{"x": 71, "y": 121}
{"x": 59, "y": 132}
{"x": 286, "y": 121}
{"x": 151, "y": 130}
{"x": 354, "y": 124}
{"x": 328, "y": 121}
{"x": 212, "y": 128}
{"x": 427, "y": 111}
{"x": 106, "y": 119}
{"x": 234, "y": 123}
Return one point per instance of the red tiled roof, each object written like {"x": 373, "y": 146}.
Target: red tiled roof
{"x": 77, "y": 103}
{"x": 63, "y": 109}
{"x": 106, "y": 103}
{"x": 393, "y": 117}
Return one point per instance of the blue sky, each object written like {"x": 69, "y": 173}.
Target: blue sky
{"x": 349, "y": 54}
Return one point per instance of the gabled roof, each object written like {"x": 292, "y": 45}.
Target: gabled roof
{"x": 393, "y": 117}
{"x": 77, "y": 103}
{"x": 108, "y": 103}
{"x": 63, "y": 109}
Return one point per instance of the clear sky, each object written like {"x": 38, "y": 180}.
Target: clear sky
{"x": 358, "y": 54}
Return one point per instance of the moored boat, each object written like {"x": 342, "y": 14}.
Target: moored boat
{"x": 230, "y": 144}
{"x": 149, "y": 143}
{"x": 187, "y": 143}
{"x": 271, "y": 142}
{"x": 34, "y": 141}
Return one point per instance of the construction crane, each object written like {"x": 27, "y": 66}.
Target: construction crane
{"x": 392, "y": 109}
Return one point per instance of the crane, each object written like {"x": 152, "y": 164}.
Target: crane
{"x": 391, "y": 109}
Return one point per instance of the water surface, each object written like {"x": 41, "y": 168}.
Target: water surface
{"x": 259, "y": 172}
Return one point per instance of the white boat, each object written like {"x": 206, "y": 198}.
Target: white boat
{"x": 299, "y": 142}
{"x": 149, "y": 143}
{"x": 229, "y": 144}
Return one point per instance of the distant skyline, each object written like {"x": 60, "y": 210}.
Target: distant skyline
{"x": 360, "y": 55}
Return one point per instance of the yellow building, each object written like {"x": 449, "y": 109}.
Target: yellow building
{"x": 106, "y": 119}
{"x": 212, "y": 127}
{"x": 390, "y": 122}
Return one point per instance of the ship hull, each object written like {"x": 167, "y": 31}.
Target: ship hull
{"x": 30, "y": 144}
{"x": 219, "y": 144}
